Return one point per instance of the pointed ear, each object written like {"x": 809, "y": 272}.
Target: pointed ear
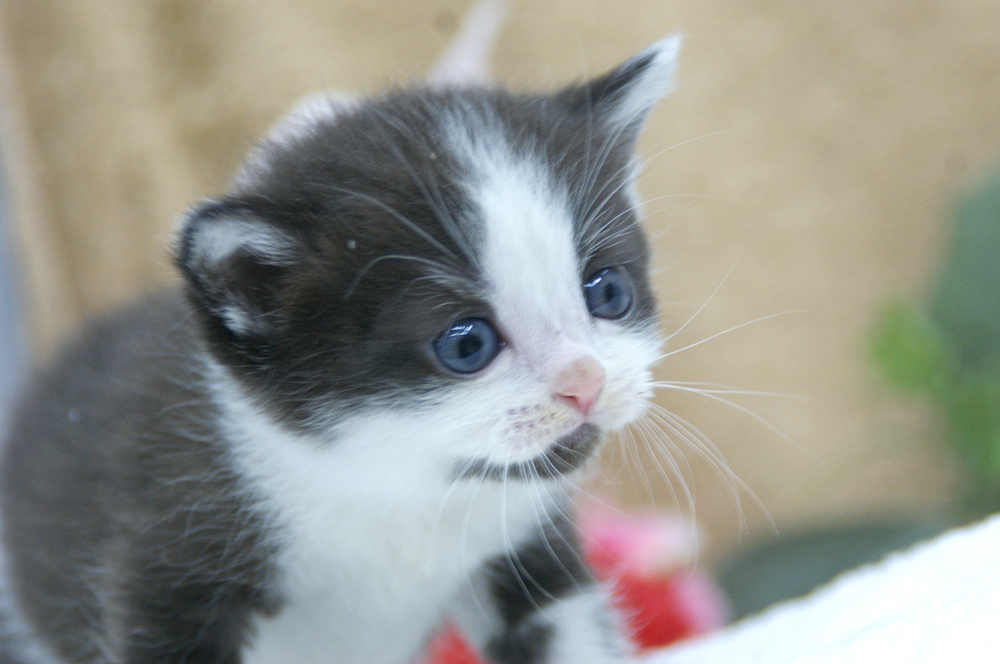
{"x": 308, "y": 113}
{"x": 623, "y": 98}
{"x": 235, "y": 264}
{"x": 299, "y": 122}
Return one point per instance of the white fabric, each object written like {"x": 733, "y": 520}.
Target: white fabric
{"x": 938, "y": 602}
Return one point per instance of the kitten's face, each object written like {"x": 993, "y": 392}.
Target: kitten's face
{"x": 466, "y": 264}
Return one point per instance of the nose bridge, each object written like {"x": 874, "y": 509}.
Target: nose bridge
{"x": 549, "y": 293}
{"x": 578, "y": 374}
{"x": 558, "y": 347}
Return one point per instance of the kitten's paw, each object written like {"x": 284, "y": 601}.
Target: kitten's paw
{"x": 584, "y": 631}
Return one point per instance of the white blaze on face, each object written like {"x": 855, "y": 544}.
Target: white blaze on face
{"x": 531, "y": 267}
{"x": 561, "y": 367}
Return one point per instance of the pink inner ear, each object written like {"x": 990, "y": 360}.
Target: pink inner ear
{"x": 579, "y": 383}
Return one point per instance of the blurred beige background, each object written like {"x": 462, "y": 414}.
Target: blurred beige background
{"x": 804, "y": 167}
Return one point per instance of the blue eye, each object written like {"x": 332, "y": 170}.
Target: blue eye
{"x": 608, "y": 293}
{"x": 468, "y": 346}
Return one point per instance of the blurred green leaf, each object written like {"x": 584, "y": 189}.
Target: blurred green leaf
{"x": 966, "y": 301}
{"x": 974, "y": 418}
{"x": 910, "y": 350}
{"x": 951, "y": 351}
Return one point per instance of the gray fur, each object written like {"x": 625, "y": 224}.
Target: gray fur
{"x": 130, "y": 533}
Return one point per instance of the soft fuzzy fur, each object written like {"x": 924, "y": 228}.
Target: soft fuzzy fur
{"x": 276, "y": 467}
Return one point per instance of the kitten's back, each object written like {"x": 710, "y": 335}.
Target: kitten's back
{"x": 116, "y": 443}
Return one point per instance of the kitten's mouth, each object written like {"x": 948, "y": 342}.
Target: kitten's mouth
{"x": 567, "y": 454}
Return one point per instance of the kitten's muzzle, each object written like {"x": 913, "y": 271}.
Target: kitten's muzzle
{"x": 568, "y": 454}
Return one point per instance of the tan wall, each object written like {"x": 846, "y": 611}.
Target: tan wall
{"x": 803, "y": 167}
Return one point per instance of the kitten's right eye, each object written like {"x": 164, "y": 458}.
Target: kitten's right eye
{"x": 468, "y": 346}
{"x": 608, "y": 293}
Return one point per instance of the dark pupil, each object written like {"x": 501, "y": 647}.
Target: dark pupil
{"x": 610, "y": 291}
{"x": 469, "y": 345}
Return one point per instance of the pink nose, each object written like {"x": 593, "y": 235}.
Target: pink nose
{"x": 580, "y": 382}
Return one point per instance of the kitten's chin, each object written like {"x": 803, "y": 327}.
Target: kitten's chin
{"x": 566, "y": 455}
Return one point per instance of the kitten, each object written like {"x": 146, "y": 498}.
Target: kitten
{"x": 402, "y": 336}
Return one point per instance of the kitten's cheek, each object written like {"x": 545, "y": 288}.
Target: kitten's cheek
{"x": 621, "y": 412}
{"x": 621, "y": 403}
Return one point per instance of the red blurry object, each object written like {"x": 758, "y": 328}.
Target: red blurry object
{"x": 450, "y": 647}
{"x": 659, "y": 611}
{"x": 643, "y": 558}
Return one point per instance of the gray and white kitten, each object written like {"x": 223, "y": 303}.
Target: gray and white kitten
{"x": 402, "y": 336}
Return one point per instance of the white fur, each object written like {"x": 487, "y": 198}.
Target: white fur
{"x": 214, "y": 243}
{"x": 219, "y": 240}
{"x": 533, "y": 274}
{"x": 656, "y": 81}
{"x": 378, "y": 541}
{"x": 582, "y": 637}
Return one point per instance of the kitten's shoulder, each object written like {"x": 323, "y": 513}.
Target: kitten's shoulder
{"x": 114, "y": 462}
{"x": 118, "y": 373}
{"x": 160, "y": 322}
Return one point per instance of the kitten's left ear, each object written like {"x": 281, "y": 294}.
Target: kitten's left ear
{"x": 235, "y": 263}
{"x": 623, "y": 98}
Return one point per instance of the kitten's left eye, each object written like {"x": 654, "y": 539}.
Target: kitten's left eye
{"x": 608, "y": 293}
{"x": 468, "y": 346}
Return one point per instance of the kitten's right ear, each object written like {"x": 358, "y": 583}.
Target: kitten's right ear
{"x": 623, "y": 97}
{"x": 235, "y": 264}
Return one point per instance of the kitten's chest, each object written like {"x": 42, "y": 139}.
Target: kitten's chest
{"x": 372, "y": 584}
{"x": 372, "y": 546}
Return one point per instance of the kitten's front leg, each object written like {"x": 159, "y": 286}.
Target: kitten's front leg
{"x": 549, "y": 606}
{"x": 189, "y": 625}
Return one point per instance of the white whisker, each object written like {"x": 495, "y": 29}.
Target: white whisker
{"x": 726, "y": 331}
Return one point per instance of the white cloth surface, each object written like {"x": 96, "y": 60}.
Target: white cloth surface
{"x": 937, "y": 602}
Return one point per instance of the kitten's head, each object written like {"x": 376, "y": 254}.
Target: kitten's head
{"x": 465, "y": 262}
